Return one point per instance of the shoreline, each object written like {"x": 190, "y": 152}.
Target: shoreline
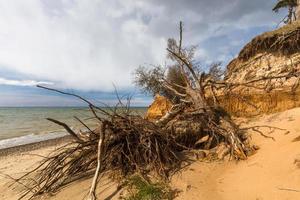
{"x": 33, "y": 146}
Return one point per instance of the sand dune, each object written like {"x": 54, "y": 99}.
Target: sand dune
{"x": 272, "y": 173}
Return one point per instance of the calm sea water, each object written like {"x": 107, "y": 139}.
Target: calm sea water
{"x": 24, "y": 123}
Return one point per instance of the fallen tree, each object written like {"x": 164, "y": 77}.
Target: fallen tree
{"x": 197, "y": 99}
{"x": 125, "y": 143}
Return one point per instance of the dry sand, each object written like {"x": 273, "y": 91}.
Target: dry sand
{"x": 271, "y": 173}
{"x": 15, "y": 161}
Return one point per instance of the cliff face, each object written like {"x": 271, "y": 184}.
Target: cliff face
{"x": 263, "y": 64}
{"x": 160, "y": 106}
{"x": 270, "y": 54}
{"x": 265, "y": 103}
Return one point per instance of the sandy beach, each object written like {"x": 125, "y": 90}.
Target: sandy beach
{"x": 17, "y": 160}
{"x": 272, "y": 173}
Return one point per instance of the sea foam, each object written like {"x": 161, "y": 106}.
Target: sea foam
{"x": 28, "y": 139}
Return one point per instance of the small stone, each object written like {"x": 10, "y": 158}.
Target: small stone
{"x": 297, "y": 160}
{"x": 188, "y": 187}
{"x": 201, "y": 155}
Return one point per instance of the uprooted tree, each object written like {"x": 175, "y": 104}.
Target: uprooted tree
{"x": 126, "y": 143}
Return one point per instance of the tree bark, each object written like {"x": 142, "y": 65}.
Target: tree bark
{"x": 298, "y": 11}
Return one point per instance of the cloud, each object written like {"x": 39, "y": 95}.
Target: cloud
{"x": 4, "y": 81}
{"x": 89, "y": 45}
{"x": 86, "y": 45}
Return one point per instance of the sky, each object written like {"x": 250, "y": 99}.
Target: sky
{"x": 93, "y": 47}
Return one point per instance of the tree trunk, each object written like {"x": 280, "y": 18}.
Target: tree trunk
{"x": 197, "y": 98}
{"x": 298, "y": 10}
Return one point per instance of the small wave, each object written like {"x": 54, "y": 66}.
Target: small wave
{"x": 28, "y": 139}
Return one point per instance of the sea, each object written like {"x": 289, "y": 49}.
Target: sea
{"x": 26, "y": 125}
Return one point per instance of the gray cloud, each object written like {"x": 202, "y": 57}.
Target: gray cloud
{"x": 89, "y": 45}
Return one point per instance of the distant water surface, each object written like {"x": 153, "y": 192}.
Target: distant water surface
{"x": 28, "y": 122}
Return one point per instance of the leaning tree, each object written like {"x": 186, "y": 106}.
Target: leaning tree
{"x": 292, "y": 6}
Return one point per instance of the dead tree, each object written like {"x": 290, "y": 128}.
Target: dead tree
{"x": 124, "y": 144}
{"x": 199, "y": 100}
{"x": 193, "y": 95}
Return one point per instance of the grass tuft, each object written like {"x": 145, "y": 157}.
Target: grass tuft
{"x": 140, "y": 189}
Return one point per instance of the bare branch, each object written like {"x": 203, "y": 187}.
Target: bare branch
{"x": 173, "y": 90}
{"x": 180, "y": 37}
{"x": 74, "y": 95}
{"x": 67, "y": 128}
{"x": 92, "y": 195}
{"x": 189, "y": 66}
{"x": 84, "y": 125}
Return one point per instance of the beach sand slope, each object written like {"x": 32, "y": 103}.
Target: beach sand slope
{"x": 272, "y": 173}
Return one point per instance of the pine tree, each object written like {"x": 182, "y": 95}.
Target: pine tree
{"x": 291, "y": 5}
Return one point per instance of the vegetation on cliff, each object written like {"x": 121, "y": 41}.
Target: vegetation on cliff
{"x": 274, "y": 53}
{"x": 291, "y": 5}
{"x": 283, "y": 41}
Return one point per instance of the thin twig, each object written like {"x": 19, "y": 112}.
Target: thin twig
{"x": 288, "y": 189}
{"x": 67, "y": 128}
